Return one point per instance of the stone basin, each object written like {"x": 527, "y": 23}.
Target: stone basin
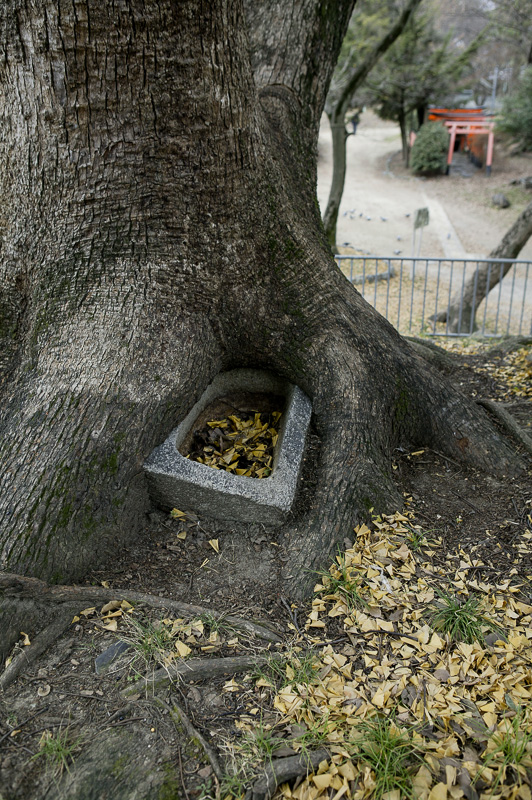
{"x": 177, "y": 482}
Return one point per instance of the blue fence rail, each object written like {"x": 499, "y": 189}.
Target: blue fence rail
{"x": 414, "y": 294}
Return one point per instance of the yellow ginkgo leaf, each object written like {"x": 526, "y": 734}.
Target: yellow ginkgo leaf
{"x": 182, "y": 649}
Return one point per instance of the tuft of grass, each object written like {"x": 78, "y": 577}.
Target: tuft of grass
{"x": 298, "y": 669}
{"x": 462, "y": 619}
{"x": 391, "y": 753}
{"x": 255, "y": 747}
{"x": 233, "y": 787}
{"x": 150, "y": 641}
{"x": 218, "y": 624}
{"x": 344, "y": 580}
{"x": 57, "y": 751}
{"x": 311, "y": 736}
{"x": 260, "y": 744}
{"x": 416, "y": 537}
{"x": 509, "y": 747}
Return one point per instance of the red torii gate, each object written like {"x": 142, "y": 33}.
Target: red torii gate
{"x": 468, "y": 122}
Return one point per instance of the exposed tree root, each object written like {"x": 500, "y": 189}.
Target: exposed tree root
{"x": 508, "y": 422}
{"x": 509, "y": 344}
{"x": 197, "y": 669}
{"x": 285, "y": 769}
{"x": 178, "y": 716}
{"x": 41, "y": 593}
{"x": 379, "y": 276}
{"x": 38, "y": 646}
{"x": 435, "y": 355}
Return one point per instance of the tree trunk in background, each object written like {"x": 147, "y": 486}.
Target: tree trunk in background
{"x": 405, "y": 148}
{"x": 330, "y": 217}
{"x": 159, "y": 224}
{"x": 460, "y": 316}
{"x": 336, "y": 107}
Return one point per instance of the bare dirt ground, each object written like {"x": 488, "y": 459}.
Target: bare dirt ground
{"x": 463, "y": 221}
{"x": 70, "y": 732}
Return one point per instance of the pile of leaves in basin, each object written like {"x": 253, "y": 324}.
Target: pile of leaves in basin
{"x": 241, "y": 444}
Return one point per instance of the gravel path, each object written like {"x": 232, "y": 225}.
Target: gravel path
{"x": 462, "y": 221}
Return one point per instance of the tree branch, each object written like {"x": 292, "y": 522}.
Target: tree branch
{"x": 362, "y": 71}
{"x": 198, "y": 669}
{"x": 285, "y": 769}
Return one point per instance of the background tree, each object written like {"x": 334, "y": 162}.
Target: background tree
{"x": 430, "y": 148}
{"x": 421, "y": 68}
{"x": 160, "y": 224}
{"x": 369, "y": 36}
{"x": 463, "y": 308}
{"x": 507, "y": 47}
{"x": 515, "y": 118}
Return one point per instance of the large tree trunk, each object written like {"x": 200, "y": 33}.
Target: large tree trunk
{"x": 462, "y": 310}
{"x": 336, "y": 106}
{"x": 159, "y": 224}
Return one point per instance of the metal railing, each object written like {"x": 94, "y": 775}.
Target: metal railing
{"x": 415, "y": 294}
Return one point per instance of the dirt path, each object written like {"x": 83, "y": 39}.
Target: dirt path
{"x": 462, "y": 220}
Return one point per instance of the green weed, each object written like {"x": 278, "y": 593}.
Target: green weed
{"x": 57, "y": 751}
{"x": 416, "y": 537}
{"x": 218, "y": 624}
{"x": 311, "y": 737}
{"x": 301, "y": 668}
{"x": 391, "y": 753}
{"x": 343, "y": 580}
{"x": 233, "y": 786}
{"x": 462, "y": 619}
{"x": 509, "y": 748}
{"x": 260, "y": 744}
{"x": 151, "y": 640}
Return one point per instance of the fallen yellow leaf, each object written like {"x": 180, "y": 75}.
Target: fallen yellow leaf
{"x": 182, "y": 649}
{"x": 438, "y": 792}
{"x": 322, "y": 781}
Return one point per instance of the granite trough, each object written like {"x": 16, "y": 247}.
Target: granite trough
{"x": 177, "y": 482}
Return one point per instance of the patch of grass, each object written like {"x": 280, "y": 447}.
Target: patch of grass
{"x": 233, "y": 786}
{"x": 416, "y": 537}
{"x": 461, "y": 618}
{"x": 509, "y": 747}
{"x": 57, "y": 751}
{"x": 343, "y": 580}
{"x": 218, "y": 624}
{"x": 312, "y": 737}
{"x": 299, "y": 669}
{"x": 151, "y": 641}
{"x": 391, "y": 753}
{"x": 259, "y": 744}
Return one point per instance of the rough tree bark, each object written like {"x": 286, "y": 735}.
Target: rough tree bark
{"x": 159, "y": 224}
{"x": 462, "y": 310}
{"x": 337, "y": 104}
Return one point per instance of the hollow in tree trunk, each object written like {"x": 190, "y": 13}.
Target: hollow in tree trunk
{"x": 159, "y": 224}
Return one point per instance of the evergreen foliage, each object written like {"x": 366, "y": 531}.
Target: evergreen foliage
{"x": 422, "y": 67}
{"x": 430, "y": 148}
{"x": 516, "y": 116}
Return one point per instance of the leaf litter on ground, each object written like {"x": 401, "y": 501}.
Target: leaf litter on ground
{"x": 462, "y": 705}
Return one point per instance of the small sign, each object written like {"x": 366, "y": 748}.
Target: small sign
{"x": 421, "y": 220}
